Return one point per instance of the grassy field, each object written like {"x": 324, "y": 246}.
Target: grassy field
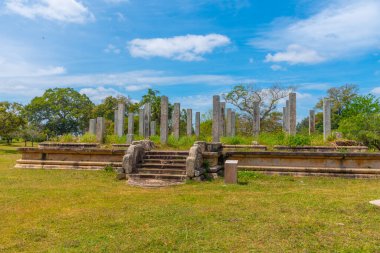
{"x": 83, "y": 211}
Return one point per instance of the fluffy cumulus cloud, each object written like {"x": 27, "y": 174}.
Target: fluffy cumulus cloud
{"x": 183, "y": 48}
{"x": 376, "y": 91}
{"x": 342, "y": 29}
{"x": 99, "y": 93}
{"x": 70, "y": 11}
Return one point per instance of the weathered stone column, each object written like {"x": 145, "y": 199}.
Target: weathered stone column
{"x": 287, "y": 116}
{"x": 229, "y": 122}
{"x": 311, "y": 121}
{"x": 164, "y": 125}
{"x": 256, "y": 118}
{"x": 284, "y": 119}
{"x": 326, "y": 118}
{"x": 153, "y": 127}
{"x": 222, "y": 120}
{"x": 100, "y": 129}
{"x": 197, "y": 124}
{"x": 115, "y": 122}
{"x": 176, "y": 120}
{"x": 131, "y": 123}
{"x": 120, "y": 119}
{"x": 216, "y": 119}
{"x": 92, "y": 126}
{"x": 189, "y": 126}
{"x": 233, "y": 123}
{"x": 292, "y": 113}
{"x": 141, "y": 122}
{"x": 147, "y": 111}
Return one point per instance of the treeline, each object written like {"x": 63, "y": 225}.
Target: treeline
{"x": 62, "y": 111}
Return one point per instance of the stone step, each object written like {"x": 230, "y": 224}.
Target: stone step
{"x": 161, "y": 171}
{"x": 158, "y": 176}
{"x": 165, "y": 157}
{"x": 181, "y": 153}
{"x": 162, "y": 166}
{"x": 164, "y": 161}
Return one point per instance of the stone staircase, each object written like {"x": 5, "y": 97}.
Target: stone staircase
{"x": 161, "y": 167}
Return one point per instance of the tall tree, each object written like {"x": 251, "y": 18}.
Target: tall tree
{"x": 59, "y": 111}
{"x": 107, "y": 107}
{"x": 244, "y": 97}
{"x": 11, "y": 120}
{"x": 340, "y": 97}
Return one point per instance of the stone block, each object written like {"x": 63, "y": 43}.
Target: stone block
{"x": 230, "y": 171}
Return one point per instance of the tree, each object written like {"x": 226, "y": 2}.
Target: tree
{"x": 154, "y": 99}
{"x": 108, "y": 106}
{"x": 244, "y": 96}
{"x": 340, "y": 97}
{"x": 361, "y": 120}
{"x": 11, "y": 120}
{"x": 367, "y": 104}
{"x": 59, "y": 111}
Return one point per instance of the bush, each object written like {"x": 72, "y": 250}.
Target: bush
{"x": 297, "y": 140}
{"x": 88, "y": 138}
{"x": 66, "y": 138}
{"x": 114, "y": 139}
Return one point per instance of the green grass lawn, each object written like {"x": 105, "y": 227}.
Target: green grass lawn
{"x": 84, "y": 211}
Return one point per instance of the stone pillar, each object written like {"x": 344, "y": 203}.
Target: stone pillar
{"x": 92, "y": 126}
{"x": 222, "y": 120}
{"x": 141, "y": 122}
{"x": 131, "y": 123}
{"x": 256, "y": 118}
{"x": 120, "y": 119}
{"x": 326, "y": 118}
{"x": 311, "y": 121}
{"x": 189, "y": 126}
{"x": 216, "y": 119}
{"x": 230, "y": 171}
{"x": 100, "y": 129}
{"x": 284, "y": 119}
{"x": 115, "y": 122}
{"x": 197, "y": 124}
{"x": 233, "y": 123}
{"x": 287, "y": 116}
{"x": 153, "y": 130}
{"x": 229, "y": 122}
{"x": 164, "y": 125}
{"x": 147, "y": 111}
{"x": 176, "y": 120}
{"x": 292, "y": 113}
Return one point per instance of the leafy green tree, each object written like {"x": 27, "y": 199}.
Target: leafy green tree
{"x": 59, "y": 111}
{"x": 367, "y": 104}
{"x": 340, "y": 97}
{"x": 154, "y": 99}
{"x": 361, "y": 120}
{"x": 108, "y": 106}
{"x": 11, "y": 120}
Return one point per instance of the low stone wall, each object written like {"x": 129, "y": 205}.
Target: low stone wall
{"x": 64, "y": 156}
{"x": 348, "y": 149}
{"x": 356, "y": 165}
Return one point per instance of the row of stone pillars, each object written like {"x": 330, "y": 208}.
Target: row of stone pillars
{"x": 289, "y": 123}
{"x": 222, "y": 124}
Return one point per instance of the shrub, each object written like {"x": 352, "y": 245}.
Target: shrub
{"x": 88, "y": 138}
{"x": 66, "y": 138}
{"x": 297, "y": 140}
{"x": 114, "y": 139}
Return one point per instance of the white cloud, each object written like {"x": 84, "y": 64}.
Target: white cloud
{"x": 71, "y": 11}
{"x": 295, "y": 54}
{"x": 137, "y": 87}
{"x": 112, "y": 49}
{"x": 343, "y": 29}
{"x": 116, "y": 1}
{"x": 183, "y": 48}
{"x": 99, "y": 93}
{"x": 276, "y": 67}
{"x": 376, "y": 91}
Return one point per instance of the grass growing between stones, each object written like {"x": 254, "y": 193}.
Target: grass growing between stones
{"x": 83, "y": 211}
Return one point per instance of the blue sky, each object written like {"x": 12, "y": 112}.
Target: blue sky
{"x": 188, "y": 50}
